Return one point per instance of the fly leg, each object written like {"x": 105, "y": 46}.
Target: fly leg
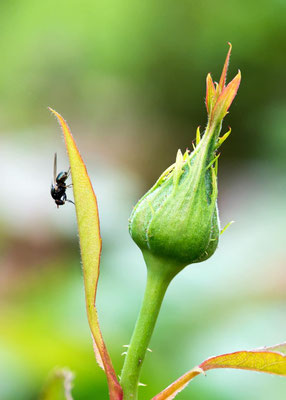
{"x": 70, "y": 201}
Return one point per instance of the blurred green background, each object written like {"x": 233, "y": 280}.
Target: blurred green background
{"x": 129, "y": 77}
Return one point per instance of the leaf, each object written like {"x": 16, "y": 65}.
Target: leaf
{"x": 58, "y": 386}
{"x": 90, "y": 245}
{"x": 269, "y": 359}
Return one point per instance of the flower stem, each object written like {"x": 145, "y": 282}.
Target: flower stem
{"x": 159, "y": 274}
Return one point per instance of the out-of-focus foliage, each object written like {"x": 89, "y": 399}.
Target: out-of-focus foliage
{"x": 130, "y": 78}
{"x": 140, "y": 67}
{"x": 58, "y": 386}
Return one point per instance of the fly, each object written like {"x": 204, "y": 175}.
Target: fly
{"x": 59, "y": 186}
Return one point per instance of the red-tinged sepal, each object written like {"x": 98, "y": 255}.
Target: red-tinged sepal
{"x": 210, "y": 94}
{"x": 219, "y": 96}
{"x": 222, "y": 80}
{"x": 225, "y": 99}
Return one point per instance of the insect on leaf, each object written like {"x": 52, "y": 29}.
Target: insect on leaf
{"x": 271, "y": 360}
{"x": 90, "y": 245}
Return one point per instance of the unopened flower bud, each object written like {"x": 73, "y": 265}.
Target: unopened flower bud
{"x": 177, "y": 219}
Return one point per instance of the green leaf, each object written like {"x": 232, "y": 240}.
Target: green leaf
{"x": 58, "y": 386}
{"x": 271, "y": 360}
{"x": 90, "y": 245}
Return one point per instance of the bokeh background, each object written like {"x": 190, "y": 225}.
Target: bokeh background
{"x": 129, "y": 77}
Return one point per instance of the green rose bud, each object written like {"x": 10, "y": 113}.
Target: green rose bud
{"x": 176, "y": 222}
{"x": 177, "y": 219}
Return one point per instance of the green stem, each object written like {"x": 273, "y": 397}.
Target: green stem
{"x": 159, "y": 274}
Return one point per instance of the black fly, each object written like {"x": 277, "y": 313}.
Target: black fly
{"x": 58, "y": 188}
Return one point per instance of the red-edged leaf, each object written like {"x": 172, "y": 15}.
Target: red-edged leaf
{"x": 222, "y": 80}
{"x": 270, "y": 359}
{"x": 90, "y": 244}
{"x": 226, "y": 98}
{"x": 210, "y": 94}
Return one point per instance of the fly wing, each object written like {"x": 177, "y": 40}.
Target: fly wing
{"x": 55, "y": 169}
